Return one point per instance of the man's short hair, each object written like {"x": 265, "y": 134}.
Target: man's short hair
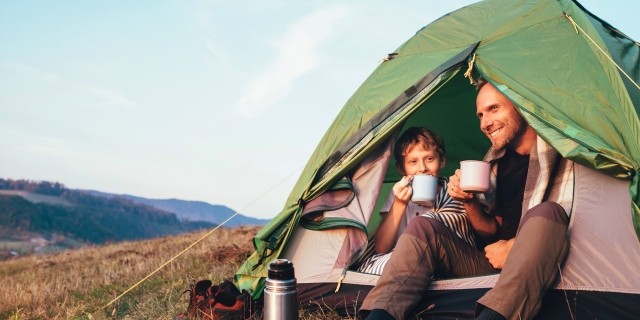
{"x": 480, "y": 83}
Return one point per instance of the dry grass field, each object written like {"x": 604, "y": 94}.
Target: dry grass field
{"x": 78, "y": 284}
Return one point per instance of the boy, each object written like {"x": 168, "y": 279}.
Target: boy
{"x": 417, "y": 151}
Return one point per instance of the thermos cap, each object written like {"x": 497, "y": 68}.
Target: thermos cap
{"x": 281, "y": 269}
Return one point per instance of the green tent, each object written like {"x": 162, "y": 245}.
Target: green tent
{"x": 573, "y": 76}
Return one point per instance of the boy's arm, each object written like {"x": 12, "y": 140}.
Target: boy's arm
{"x": 386, "y": 233}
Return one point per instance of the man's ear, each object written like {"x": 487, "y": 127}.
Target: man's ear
{"x": 443, "y": 162}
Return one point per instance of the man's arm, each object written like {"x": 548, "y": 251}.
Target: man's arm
{"x": 497, "y": 252}
{"x": 482, "y": 223}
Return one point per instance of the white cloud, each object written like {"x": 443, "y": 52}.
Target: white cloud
{"x": 39, "y": 146}
{"x": 204, "y": 17}
{"x": 109, "y": 97}
{"x": 69, "y": 161}
{"x": 297, "y": 55}
{"x": 220, "y": 58}
{"x": 30, "y": 71}
{"x": 106, "y": 96}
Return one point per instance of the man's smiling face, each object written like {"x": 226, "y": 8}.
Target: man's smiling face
{"x": 499, "y": 119}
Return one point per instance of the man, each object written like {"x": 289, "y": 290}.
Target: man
{"x": 529, "y": 180}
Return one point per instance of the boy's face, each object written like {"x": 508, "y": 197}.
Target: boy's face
{"x": 417, "y": 160}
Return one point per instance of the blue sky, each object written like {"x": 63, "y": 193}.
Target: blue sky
{"x": 218, "y": 101}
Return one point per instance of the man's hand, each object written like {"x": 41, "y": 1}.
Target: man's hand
{"x": 497, "y": 252}
{"x": 402, "y": 189}
{"x": 454, "y": 189}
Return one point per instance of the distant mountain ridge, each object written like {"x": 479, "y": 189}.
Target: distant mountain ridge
{"x": 67, "y": 218}
{"x": 42, "y": 216}
{"x": 192, "y": 210}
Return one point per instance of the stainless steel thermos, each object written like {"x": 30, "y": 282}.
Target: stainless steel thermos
{"x": 280, "y": 293}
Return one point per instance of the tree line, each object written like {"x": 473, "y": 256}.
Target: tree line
{"x": 42, "y": 187}
{"x": 91, "y": 218}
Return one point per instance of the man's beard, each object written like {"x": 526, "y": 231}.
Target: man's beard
{"x": 513, "y": 129}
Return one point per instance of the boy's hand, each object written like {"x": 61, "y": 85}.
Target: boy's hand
{"x": 454, "y": 189}
{"x": 402, "y": 189}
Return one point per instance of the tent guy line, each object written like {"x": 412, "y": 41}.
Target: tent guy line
{"x": 210, "y": 232}
{"x": 577, "y": 26}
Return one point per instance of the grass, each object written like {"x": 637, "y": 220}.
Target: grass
{"x": 78, "y": 284}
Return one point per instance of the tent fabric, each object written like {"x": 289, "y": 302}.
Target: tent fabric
{"x": 572, "y": 76}
{"x": 603, "y": 259}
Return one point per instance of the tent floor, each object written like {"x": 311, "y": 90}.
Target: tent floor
{"x": 460, "y": 304}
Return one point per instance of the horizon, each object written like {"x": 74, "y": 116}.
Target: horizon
{"x": 194, "y": 100}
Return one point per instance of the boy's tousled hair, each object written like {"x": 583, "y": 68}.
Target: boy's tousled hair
{"x": 416, "y": 136}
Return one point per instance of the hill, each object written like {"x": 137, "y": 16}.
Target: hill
{"x": 79, "y": 284}
{"x": 44, "y": 216}
{"x": 193, "y": 210}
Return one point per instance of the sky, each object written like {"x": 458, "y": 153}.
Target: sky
{"x": 215, "y": 101}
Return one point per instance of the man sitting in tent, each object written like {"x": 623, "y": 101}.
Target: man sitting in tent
{"x": 529, "y": 179}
